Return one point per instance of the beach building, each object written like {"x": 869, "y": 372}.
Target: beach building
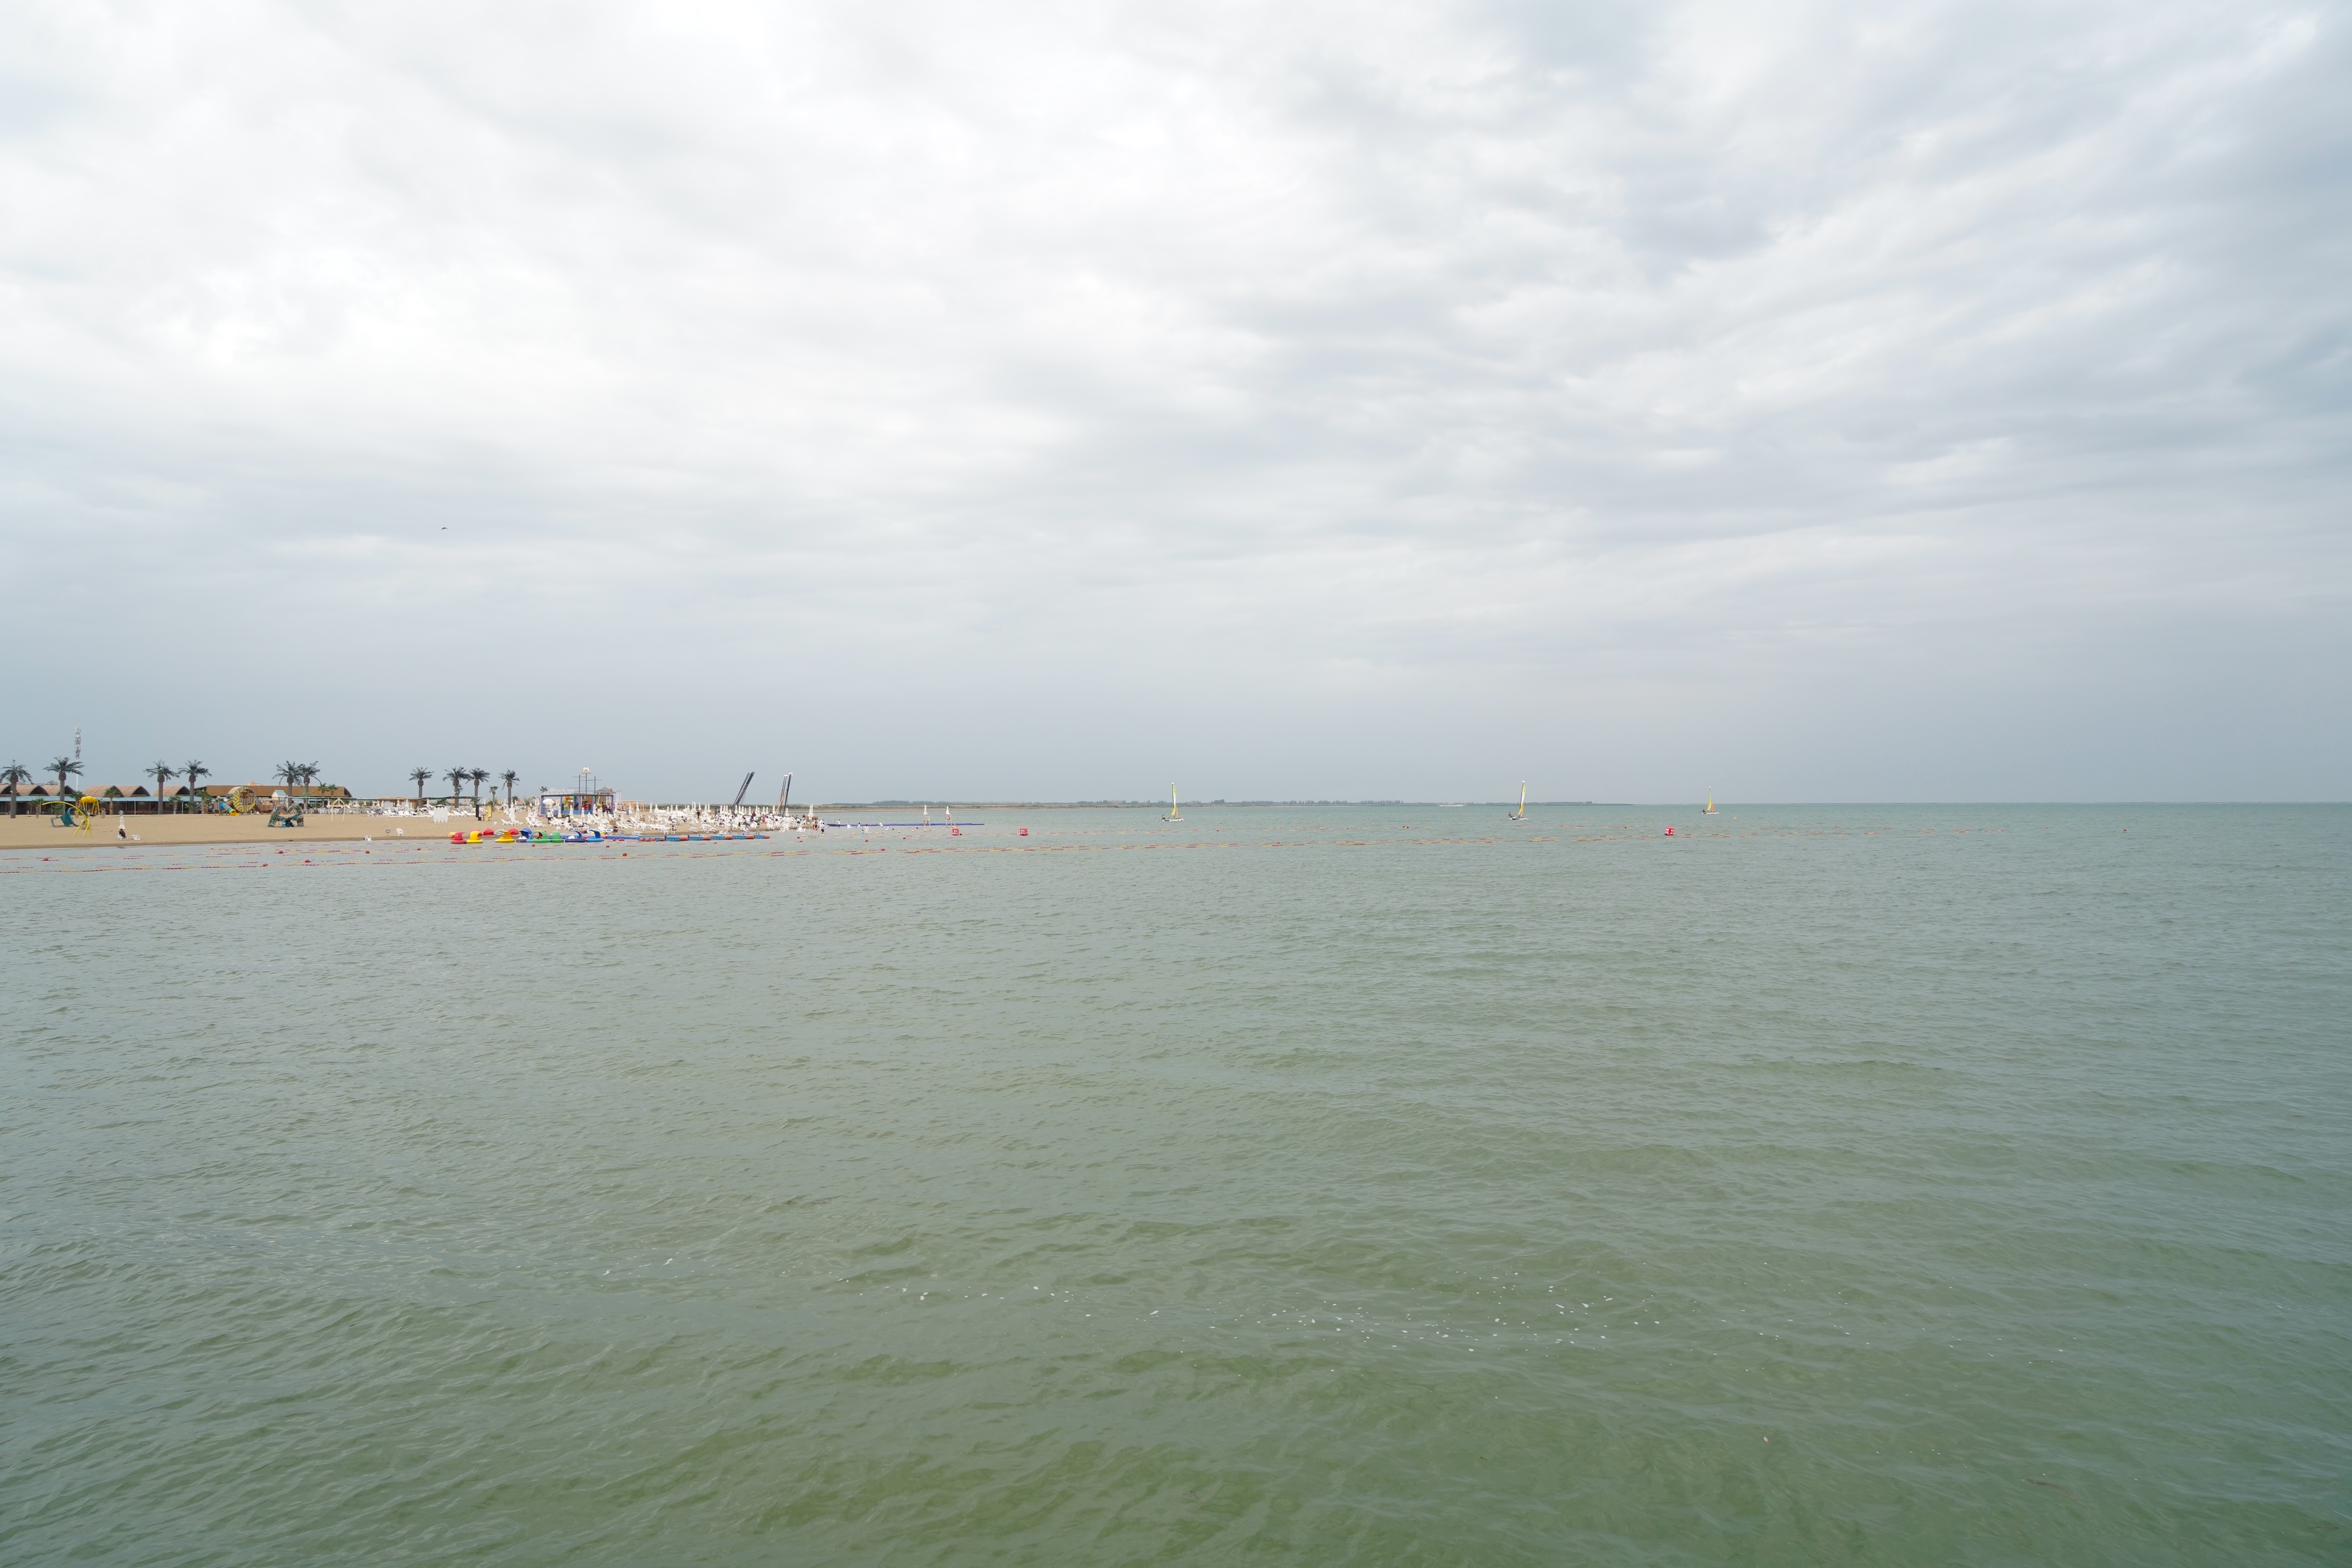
{"x": 139, "y": 798}
{"x": 576, "y": 803}
{"x": 42, "y": 794}
{"x": 293, "y": 791}
{"x": 119, "y": 799}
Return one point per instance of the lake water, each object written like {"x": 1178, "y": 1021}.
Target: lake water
{"x": 1365, "y": 1186}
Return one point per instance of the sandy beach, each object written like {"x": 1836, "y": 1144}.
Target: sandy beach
{"x": 30, "y": 832}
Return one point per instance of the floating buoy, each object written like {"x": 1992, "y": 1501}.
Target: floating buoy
{"x": 1670, "y": 833}
{"x": 1025, "y": 833}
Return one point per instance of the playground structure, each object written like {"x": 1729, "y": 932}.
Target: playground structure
{"x": 285, "y": 810}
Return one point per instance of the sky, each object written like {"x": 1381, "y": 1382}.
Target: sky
{"x": 1786, "y": 401}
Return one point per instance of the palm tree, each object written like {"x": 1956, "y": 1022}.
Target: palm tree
{"x": 419, "y": 776}
{"x": 65, "y": 768}
{"x": 509, "y": 777}
{"x": 481, "y": 777}
{"x": 13, "y": 777}
{"x": 457, "y": 777}
{"x": 192, "y": 771}
{"x": 287, "y": 773}
{"x": 161, "y": 773}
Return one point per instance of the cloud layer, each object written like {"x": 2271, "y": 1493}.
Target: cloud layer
{"x": 1794, "y": 401}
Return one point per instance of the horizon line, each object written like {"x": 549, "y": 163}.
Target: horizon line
{"x": 1121, "y": 804}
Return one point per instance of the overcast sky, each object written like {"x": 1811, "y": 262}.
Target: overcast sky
{"x": 1845, "y": 402}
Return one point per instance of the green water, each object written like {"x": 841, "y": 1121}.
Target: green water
{"x": 1886, "y": 1185}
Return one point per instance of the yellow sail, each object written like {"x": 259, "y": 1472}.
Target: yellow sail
{"x": 1175, "y": 813}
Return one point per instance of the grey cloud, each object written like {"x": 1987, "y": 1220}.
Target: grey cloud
{"x": 1426, "y": 368}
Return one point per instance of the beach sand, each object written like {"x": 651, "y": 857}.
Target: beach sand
{"x": 29, "y": 832}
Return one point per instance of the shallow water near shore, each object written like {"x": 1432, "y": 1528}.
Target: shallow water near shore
{"x": 1377, "y": 1184}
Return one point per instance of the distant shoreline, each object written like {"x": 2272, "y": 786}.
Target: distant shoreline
{"x": 32, "y": 831}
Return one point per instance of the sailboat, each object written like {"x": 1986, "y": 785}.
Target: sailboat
{"x": 1521, "y": 815}
{"x": 1710, "y": 810}
{"x": 1175, "y": 813}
